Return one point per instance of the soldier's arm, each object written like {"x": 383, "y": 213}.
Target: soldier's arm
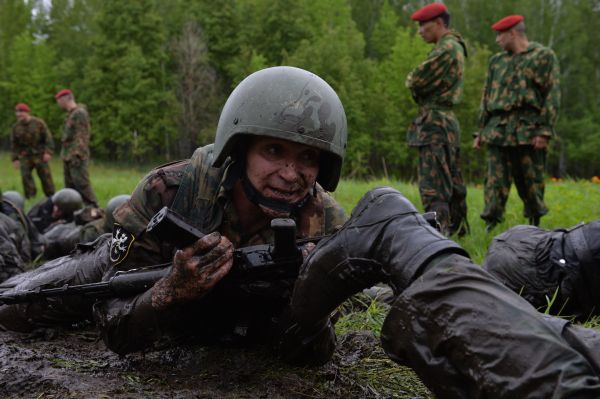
{"x": 14, "y": 148}
{"x": 47, "y": 140}
{"x": 428, "y": 76}
{"x": 548, "y": 78}
{"x": 483, "y": 113}
{"x": 80, "y": 131}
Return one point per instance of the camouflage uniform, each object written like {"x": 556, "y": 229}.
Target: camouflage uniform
{"x": 75, "y": 154}
{"x": 436, "y": 86}
{"x": 520, "y": 101}
{"x": 200, "y": 193}
{"x": 29, "y": 141}
{"x": 541, "y": 264}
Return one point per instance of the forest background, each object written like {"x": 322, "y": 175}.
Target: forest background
{"x": 155, "y": 74}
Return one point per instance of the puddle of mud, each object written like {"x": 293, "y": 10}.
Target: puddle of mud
{"x": 75, "y": 364}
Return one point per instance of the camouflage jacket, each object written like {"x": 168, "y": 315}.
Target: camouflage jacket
{"x": 76, "y": 134}
{"x": 521, "y": 98}
{"x": 202, "y": 194}
{"x": 436, "y": 86}
{"x": 30, "y": 138}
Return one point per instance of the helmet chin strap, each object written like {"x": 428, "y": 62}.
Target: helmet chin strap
{"x": 258, "y": 199}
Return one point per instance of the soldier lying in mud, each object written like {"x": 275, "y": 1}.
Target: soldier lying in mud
{"x": 462, "y": 331}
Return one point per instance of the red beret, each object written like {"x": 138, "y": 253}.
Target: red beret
{"x": 429, "y": 12}
{"x": 22, "y": 107}
{"x": 63, "y": 92}
{"x": 507, "y": 22}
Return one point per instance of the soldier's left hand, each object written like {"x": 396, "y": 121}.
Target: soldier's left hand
{"x": 539, "y": 142}
{"x": 46, "y": 157}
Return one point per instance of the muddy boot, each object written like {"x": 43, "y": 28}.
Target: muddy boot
{"x": 385, "y": 240}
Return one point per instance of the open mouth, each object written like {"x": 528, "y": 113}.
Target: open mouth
{"x": 281, "y": 194}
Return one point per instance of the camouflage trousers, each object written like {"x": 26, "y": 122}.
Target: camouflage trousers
{"x": 441, "y": 186}
{"x": 523, "y": 164}
{"x": 28, "y": 164}
{"x": 77, "y": 177}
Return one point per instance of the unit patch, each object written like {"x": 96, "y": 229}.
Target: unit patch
{"x": 120, "y": 244}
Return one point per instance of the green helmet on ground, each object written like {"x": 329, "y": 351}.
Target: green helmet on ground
{"x": 15, "y": 198}
{"x": 287, "y": 103}
{"x": 111, "y": 206}
{"x": 68, "y": 201}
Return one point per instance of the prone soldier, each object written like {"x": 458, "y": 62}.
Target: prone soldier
{"x": 543, "y": 264}
{"x": 31, "y": 148}
{"x": 436, "y": 86}
{"x": 519, "y": 109}
{"x": 61, "y": 239}
{"x": 279, "y": 145}
{"x": 58, "y": 209}
{"x": 20, "y": 241}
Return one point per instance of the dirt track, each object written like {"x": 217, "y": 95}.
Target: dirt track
{"x": 75, "y": 364}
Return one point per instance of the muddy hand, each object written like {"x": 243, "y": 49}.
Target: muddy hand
{"x": 196, "y": 270}
{"x": 307, "y": 249}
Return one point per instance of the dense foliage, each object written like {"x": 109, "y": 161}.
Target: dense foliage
{"x": 154, "y": 74}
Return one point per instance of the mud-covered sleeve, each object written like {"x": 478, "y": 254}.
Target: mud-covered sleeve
{"x": 127, "y": 325}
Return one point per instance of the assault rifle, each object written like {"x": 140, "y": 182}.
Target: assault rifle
{"x": 259, "y": 263}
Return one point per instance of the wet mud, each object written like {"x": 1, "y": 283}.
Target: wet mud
{"x": 75, "y": 364}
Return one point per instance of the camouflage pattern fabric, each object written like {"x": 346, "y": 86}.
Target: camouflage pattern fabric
{"x": 29, "y": 141}
{"x": 521, "y": 100}
{"x": 77, "y": 177}
{"x": 11, "y": 239}
{"x": 76, "y": 134}
{"x": 436, "y": 86}
{"x": 27, "y": 165}
{"x": 526, "y": 166}
{"x": 442, "y": 188}
{"x": 75, "y": 154}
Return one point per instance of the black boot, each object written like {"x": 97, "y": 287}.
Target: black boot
{"x": 385, "y": 240}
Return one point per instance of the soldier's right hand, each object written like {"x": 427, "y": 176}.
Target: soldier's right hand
{"x": 477, "y": 142}
{"x": 16, "y": 164}
{"x": 196, "y": 270}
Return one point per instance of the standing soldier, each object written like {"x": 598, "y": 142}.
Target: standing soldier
{"x": 518, "y": 113}
{"x": 32, "y": 146}
{"x": 76, "y": 146}
{"x": 436, "y": 86}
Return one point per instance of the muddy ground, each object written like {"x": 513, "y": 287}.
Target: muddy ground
{"x": 75, "y": 364}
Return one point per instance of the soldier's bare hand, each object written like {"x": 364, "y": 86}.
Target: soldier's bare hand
{"x": 196, "y": 270}
{"x": 307, "y": 249}
{"x": 539, "y": 142}
{"x": 477, "y": 142}
{"x": 16, "y": 164}
{"x": 46, "y": 157}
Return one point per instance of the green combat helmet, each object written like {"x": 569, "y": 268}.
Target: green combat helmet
{"x": 287, "y": 103}
{"x": 111, "y": 206}
{"x": 67, "y": 201}
{"x": 15, "y": 198}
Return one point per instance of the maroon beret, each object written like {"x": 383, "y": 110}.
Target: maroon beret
{"x": 429, "y": 12}
{"x": 507, "y": 22}
{"x": 63, "y": 92}
{"x": 22, "y": 107}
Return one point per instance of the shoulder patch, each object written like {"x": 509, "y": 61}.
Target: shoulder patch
{"x": 120, "y": 244}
